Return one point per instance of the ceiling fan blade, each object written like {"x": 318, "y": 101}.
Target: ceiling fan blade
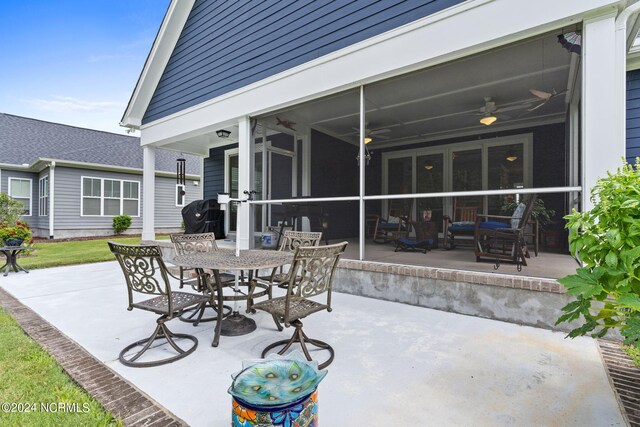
{"x": 538, "y": 106}
{"x": 379, "y": 131}
{"x": 541, "y": 94}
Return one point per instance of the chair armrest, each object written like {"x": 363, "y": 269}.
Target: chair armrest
{"x": 494, "y": 216}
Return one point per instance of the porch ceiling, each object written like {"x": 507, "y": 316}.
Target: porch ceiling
{"x": 447, "y": 99}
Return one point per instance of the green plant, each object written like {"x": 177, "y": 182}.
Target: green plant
{"x": 606, "y": 240}
{"x": 10, "y": 210}
{"x": 121, "y": 223}
{"x": 20, "y": 230}
{"x": 539, "y": 212}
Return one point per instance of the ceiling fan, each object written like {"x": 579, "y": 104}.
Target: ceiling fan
{"x": 544, "y": 96}
{"x": 369, "y": 134}
{"x": 490, "y": 112}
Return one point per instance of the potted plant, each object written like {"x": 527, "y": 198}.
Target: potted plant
{"x": 606, "y": 240}
{"x": 540, "y": 212}
{"x": 16, "y": 234}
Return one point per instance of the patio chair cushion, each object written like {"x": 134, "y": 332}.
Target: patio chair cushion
{"x": 462, "y": 226}
{"x": 493, "y": 225}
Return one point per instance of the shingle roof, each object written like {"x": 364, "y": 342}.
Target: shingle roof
{"x": 23, "y": 140}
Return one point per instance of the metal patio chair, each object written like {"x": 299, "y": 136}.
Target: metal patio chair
{"x": 146, "y": 274}
{"x": 309, "y": 280}
{"x": 186, "y": 244}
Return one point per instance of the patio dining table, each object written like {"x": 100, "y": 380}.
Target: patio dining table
{"x": 248, "y": 260}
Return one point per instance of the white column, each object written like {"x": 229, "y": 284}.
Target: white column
{"x": 148, "y": 192}
{"x": 52, "y": 195}
{"x": 244, "y": 228}
{"x": 603, "y": 144}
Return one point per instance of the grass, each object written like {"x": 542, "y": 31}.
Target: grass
{"x": 29, "y": 375}
{"x": 633, "y": 352}
{"x": 53, "y": 254}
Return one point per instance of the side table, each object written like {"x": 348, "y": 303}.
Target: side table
{"x": 11, "y": 254}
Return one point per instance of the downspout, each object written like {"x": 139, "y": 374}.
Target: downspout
{"x": 621, "y": 65}
{"x": 52, "y": 172}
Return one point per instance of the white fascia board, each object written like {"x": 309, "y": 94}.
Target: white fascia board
{"x": 441, "y": 37}
{"x": 161, "y": 50}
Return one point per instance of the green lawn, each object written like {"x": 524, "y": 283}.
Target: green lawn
{"x": 31, "y": 378}
{"x": 52, "y": 254}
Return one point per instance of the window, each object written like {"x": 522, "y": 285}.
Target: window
{"x": 110, "y": 197}
{"x": 20, "y": 190}
{"x": 91, "y": 196}
{"x": 43, "y": 191}
{"x": 131, "y": 198}
{"x": 180, "y": 194}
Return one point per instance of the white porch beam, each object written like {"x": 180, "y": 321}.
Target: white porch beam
{"x": 244, "y": 228}
{"x": 602, "y": 133}
{"x": 52, "y": 197}
{"x": 148, "y": 192}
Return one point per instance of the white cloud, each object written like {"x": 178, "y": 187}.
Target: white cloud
{"x": 66, "y": 103}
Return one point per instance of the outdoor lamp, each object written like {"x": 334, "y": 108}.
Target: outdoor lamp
{"x": 223, "y": 133}
{"x": 487, "y": 120}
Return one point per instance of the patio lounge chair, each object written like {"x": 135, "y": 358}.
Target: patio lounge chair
{"x": 462, "y": 223}
{"x": 146, "y": 274}
{"x": 504, "y": 239}
{"x": 426, "y": 233}
{"x": 310, "y": 275}
{"x": 185, "y": 244}
{"x": 387, "y": 229}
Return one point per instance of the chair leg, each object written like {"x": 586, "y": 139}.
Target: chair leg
{"x": 161, "y": 332}
{"x": 199, "y": 311}
{"x": 300, "y": 337}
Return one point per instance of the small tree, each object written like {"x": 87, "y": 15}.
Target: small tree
{"x": 121, "y": 223}
{"x": 606, "y": 240}
{"x": 10, "y": 210}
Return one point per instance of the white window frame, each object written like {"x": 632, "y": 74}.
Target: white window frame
{"x": 184, "y": 197}
{"x": 102, "y": 196}
{"x": 43, "y": 199}
{"x": 11, "y": 179}
{"x": 118, "y": 183}
{"x": 129, "y": 198}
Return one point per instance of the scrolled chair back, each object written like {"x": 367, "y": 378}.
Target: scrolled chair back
{"x": 186, "y": 244}
{"x": 293, "y": 239}
{"x": 312, "y": 270}
{"x": 143, "y": 268}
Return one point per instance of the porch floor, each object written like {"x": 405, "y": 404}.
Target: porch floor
{"x": 545, "y": 265}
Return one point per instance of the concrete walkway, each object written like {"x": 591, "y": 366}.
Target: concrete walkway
{"x": 396, "y": 365}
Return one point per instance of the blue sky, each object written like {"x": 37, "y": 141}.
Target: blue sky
{"x": 74, "y": 62}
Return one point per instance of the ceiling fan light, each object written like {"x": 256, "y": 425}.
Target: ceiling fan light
{"x": 487, "y": 120}
{"x": 367, "y": 139}
{"x": 428, "y": 167}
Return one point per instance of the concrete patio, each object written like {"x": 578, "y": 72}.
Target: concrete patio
{"x": 396, "y": 365}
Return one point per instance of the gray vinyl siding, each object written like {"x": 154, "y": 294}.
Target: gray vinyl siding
{"x": 633, "y": 115}
{"x": 68, "y": 200}
{"x": 214, "y": 172}
{"x": 226, "y": 45}
{"x": 5, "y": 174}
{"x": 168, "y": 215}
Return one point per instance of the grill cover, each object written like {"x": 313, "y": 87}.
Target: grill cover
{"x": 204, "y": 216}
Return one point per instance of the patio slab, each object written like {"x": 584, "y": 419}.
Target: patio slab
{"x": 395, "y": 364}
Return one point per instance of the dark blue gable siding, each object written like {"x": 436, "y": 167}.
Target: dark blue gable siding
{"x": 633, "y": 115}
{"x": 226, "y": 45}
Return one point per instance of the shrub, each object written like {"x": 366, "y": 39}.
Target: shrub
{"x": 121, "y": 223}
{"x": 10, "y": 210}
{"x": 606, "y": 240}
